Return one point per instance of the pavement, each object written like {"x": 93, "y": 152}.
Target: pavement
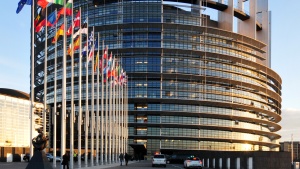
{"x": 94, "y": 166}
{"x": 23, "y": 165}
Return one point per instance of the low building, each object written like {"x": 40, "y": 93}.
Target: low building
{"x": 15, "y": 123}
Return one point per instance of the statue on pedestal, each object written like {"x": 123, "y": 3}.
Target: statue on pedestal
{"x": 40, "y": 141}
{"x": 39, "y": 159}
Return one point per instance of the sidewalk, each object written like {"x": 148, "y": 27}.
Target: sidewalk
{"x": 88, "y": 166}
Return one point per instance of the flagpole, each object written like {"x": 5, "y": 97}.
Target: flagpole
{"x": 63, "y": 100}
{"x": 118, "y": 111}
{"x": 86, "y": 99}
{"x": 102, "y": 106}
{"x": 110, "y": 113}
{"x": 113, "y": 112}
{"x": 93, "y": 100}
{"x": 126, "y": 109}
{"x": 45, "y": 74}
{"x": 122, "y": 120}
{"x": 79, "y": 95}
{"x": 72, "y": 95}
{"x": 32, "y": 80}
{"x": 106, "y": 113}
{"x": 55, "y": 105}
{"x": 97, "y": 115}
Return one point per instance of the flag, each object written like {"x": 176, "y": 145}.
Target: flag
{"x": 76, "y": 23}
{"x": 91, "y": 54}
{"x": 60, "y": 2}
{"x": 96, "y": 62}
{"x": 61, "y": 11}
{"x": 39, "y": 17}
{"x": 40, "y": 26}
{"x": 80, "y": 31}
{"x": 84, "y": 50}
{"x": 76, "y": 45}
{"x": 109, "y": 62}
{"x": 42, "y": 3}
{"x": 22, "y": 3}
{"x": 59, "y": 32}
{"x": 105, "y": 53}
{"x": 51, "y": 19}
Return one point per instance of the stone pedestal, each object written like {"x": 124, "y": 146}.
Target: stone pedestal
{"x": 39, "y": 161}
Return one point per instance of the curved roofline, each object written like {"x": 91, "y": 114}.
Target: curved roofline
{"x": 14, "y": 93}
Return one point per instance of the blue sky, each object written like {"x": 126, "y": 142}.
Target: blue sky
{"x": 15, "y": 55}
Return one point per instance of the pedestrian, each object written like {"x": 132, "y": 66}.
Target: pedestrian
{"x": 66, "y": 160}
{"x": 121, "y": 157}
{"x": 126, "y": 158}
{"x": 75, "y": 156}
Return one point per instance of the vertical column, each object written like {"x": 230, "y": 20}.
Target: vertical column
{"x": 238, "y": 163}
{"x": 228, "y": 163}
{"x": 226, "y": 17}
{"x": 248, "y": 27}
{"x": 250, "y": 163}
{"x": 264, "y": 35}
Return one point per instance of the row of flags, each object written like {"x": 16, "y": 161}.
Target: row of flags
{"x": 110, "y": 69}
{"x": 41, "y": 3}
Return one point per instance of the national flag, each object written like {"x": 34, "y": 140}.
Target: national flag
{"x": 76, "y": 23}
{"x": 84, "y": 50}
{"x": 109, "y": 62}
{"x": 42, "y": 3}
{"x": 39, "y": 17}
{"x": 59, "y": 32}
{"x": 51, "y": 19}
{"x": 80, "y": 31}
{"x": 76, "y": 45}
{"x": 60, "y": 2}
{"x": 91, "y": 47}
{"x": 61, "y": 11}
{"x": 96, "y": 62}
{"x": 105, "y": 53}
{"x": 22, "y": 3}
{"x": 91, "y": 54}
{"x": 68, "y": 9}
{"x": 40, "y": 26}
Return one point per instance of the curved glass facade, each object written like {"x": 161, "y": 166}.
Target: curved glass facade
{"x": 190, "y": 85}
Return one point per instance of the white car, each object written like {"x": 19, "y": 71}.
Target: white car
{"x": 159, "y": 160}
{"x": 192, "y": 162}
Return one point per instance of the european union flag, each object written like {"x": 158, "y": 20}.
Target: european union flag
{"x": 22, "y": 3}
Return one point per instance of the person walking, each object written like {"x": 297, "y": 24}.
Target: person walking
{"x": 126, "y": 158}
{"x": 75, "y": 156}
{"x": 65, "y": 161}
{"x": 121, "y": 157}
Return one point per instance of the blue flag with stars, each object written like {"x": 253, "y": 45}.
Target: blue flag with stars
{"x": 22, "y": 3}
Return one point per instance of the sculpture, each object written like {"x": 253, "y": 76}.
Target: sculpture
{"x": 40, "y": 141}
{"x": 39, "y": 159}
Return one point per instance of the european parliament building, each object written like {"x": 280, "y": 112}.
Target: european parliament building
{"x": 194, "y": 83}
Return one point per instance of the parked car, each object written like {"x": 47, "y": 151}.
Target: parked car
{"x": 26, "y": 157}
{"x": 192, "y": 162}
{"x": 177, "y": 158}
{"x": 50, "y": 157}
{"x": 159, "y": 160}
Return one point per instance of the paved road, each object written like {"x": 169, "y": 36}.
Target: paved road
{"x": 132, "y": 164}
